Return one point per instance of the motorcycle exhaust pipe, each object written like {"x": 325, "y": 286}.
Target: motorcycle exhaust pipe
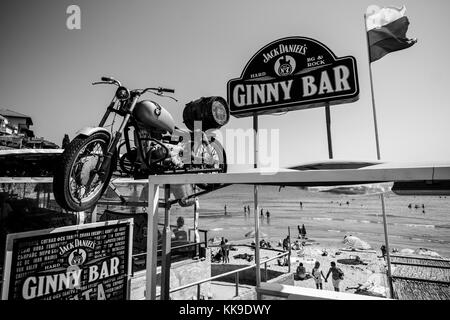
{"x": 181, "y": 192}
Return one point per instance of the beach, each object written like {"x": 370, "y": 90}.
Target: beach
{"x": 327, "y": 217}
{"x": 354, "y": 275}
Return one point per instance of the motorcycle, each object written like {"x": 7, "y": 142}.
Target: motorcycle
{"x": 147, "y": 142}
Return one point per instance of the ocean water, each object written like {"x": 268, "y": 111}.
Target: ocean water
{"x": 327, "y": 217}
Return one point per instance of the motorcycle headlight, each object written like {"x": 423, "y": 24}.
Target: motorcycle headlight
{"x": 219, "y": 112}
{"x": 213, "y": 112}
{"x": 122, "y": 93}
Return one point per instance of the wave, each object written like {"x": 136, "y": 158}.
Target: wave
{"x": 414, "y": 225}
{"x": 444, "y": 226}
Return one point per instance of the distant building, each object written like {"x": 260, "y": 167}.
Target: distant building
{"x": 15, "y": 132}
{"x": 17, "y": 122}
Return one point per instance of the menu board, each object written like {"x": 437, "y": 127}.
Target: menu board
{"x": 82, "y": 262}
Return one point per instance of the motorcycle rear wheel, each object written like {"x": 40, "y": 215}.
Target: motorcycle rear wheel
{"x": 76, "y": 185}
{"x": 217, "y": 152}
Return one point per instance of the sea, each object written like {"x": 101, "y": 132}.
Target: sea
{"x": 327, "y": 217}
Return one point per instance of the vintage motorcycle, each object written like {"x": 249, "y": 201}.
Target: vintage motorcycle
{"x": 146, "y": 142}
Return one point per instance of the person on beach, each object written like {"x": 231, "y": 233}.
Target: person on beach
{"x": 282, "y": 261}
{"x": 303, "y": 231}
{"x": 383, "y": 251}
{"x": 245, "y": 210}
{"x": 267, "y": 214}
{"x": 317, "y": 275}
{"x": 225, "y": 209}
{"x": 301, "y": 205}
{"x": 179, "y": 233}
{"x": 262, "y": 213}
{"x": 286, "y": 243}
{"x": 227, "y": 251}
{"x": 301, "y": 272}
{"x": 223, "y": 250}
{"x": 336, "y": 275}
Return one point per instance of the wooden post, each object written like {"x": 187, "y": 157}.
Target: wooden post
{"x": 255, "y": 199}
{"x": 152, "y": 240}
{"x": 328, "y": 120}
{"x": 166, "y": 247}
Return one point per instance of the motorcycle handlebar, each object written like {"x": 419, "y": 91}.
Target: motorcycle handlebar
{"x": 167, "y": 90}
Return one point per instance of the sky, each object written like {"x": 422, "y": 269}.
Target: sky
{"x": 196, "y": 46}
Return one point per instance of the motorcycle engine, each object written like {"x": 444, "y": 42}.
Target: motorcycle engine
{"x": 174, "y": 157}
{"x": 176, "y": 154}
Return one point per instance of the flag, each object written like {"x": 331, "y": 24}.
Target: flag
{"x": 386, "y": 31}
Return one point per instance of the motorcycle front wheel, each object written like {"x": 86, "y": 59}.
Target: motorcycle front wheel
{"x": 77, "y": 185}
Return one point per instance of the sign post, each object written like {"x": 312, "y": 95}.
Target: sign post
{"x": 255, "y": 200}
{"x": 290, "y": 74}
{"x": 328, "y": 120}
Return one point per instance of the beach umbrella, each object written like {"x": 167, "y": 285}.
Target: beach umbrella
{"x": 251, "y": 234}
{"x": 356, "y": 243}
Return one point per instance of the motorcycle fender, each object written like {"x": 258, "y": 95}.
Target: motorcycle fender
{"x": 88, "y": 131}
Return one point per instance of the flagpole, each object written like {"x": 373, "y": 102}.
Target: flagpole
{"x": 383, "y": 206}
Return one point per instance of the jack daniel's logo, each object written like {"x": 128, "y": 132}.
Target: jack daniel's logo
{"x": 284, "y": 66}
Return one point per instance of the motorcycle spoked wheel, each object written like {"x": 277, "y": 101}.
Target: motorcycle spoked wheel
{"x": 215, "y": 158}
{"x": 76, "y": 185}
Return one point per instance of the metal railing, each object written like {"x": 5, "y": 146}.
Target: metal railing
{"x": 200, "y": 282}
{"x": 181, "y": 246}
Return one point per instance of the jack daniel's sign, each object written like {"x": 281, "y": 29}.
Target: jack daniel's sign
{"x": 290, "y": 74}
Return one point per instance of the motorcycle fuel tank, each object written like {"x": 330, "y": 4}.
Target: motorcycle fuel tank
{"x": 151, "y": 115}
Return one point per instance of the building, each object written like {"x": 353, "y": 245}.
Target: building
{"x": 15, "y": 132}
{"x": 17, "y": 122}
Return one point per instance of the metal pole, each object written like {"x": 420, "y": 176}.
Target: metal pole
{"x": 265, "y": 271}
{"x": 196, "y": 234}
{"x": 328, "y": 120}
{"x": 255, "y": 199}
{"x": 383, "y": 207}
{"x": 166, "y": 247}
{"x": 94, "y": 214}
{"x": 289, "y": 250}
{"x": 237, "y": 283}
{"x": 152, "y": 240}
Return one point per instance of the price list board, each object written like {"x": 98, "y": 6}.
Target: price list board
{"x": 82, "y": 262}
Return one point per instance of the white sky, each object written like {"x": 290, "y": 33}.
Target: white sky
{"x": 196, "y": 46}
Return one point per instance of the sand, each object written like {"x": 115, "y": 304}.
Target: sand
{"x": 353, "y": 274}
